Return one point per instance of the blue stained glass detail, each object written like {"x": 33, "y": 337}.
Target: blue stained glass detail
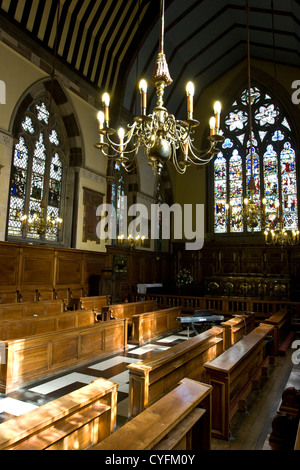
{"x": 228, "y": 144}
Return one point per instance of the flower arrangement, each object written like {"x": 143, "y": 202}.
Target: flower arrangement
{"x": 184, "y": 278}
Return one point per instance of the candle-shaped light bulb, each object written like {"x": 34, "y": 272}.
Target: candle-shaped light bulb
{"x": 143, "y": 90}
{"x": 121, "y": 134}
{"x": 190, "y": 91}
{"x": 106, "y": 101}
{"x": 100, "y": 118}
{"x": 186, "y": 149}
{"x": 217, "y": 111}
{"x": 212, "y": 125}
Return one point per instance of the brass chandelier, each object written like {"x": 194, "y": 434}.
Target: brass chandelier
{"x": 163, "y": 137}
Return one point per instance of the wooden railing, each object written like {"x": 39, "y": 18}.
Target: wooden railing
{"x": 224, "y": 305}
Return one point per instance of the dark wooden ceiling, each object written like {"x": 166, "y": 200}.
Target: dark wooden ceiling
{"x": 110, "y": 44}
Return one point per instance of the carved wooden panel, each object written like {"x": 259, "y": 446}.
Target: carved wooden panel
{"x": 91, "y": 201}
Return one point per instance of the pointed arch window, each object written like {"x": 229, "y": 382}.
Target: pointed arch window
{"x": 273, "y": 165}
{"x": 35, "y": 205}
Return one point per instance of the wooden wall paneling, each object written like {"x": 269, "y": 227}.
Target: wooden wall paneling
{"x": 37, "y": 267}
{"x": 9, "y": 260}
{"x": 69, "y": 269}
{"x": 93, "y": 265}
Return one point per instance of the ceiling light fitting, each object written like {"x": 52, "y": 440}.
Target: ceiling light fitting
{"x": 162, "y": 136}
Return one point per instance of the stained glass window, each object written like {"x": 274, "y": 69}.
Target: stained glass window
{"x": 272, "y": 164}
{"x": 37, "y": 177}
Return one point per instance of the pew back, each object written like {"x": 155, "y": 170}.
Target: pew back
{"x": 127, "y": 310}
{"x": 155, "y": 376}
{"x": 178, "y": 421}
{"x": 91, "y": 303}
{"x": 30, "y": 326}
{"x": 146, "y": 326}
{"x": 31, "y": 309}
{"x": 72, "y": 422}
{"x": 238, "y": 327}
{"x": 24, "y": 361}
{"x": 231, "y": 374}
{"x": 281, "y": 321}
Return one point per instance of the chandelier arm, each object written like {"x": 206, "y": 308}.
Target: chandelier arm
{"x": 106, "y": 154}
{"x": 203, "y": 153}
{"x": 179, "y": 166}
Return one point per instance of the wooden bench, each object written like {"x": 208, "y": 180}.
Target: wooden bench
{"x": 73, "y": 422}
{"x": 24, "y": 361}
{"x": 90, "y": 303}
{"x": 282, "y": 323}
{"x": 127, "y": 310}
{"x": 31, "y": 309}
{"x": 146, "y": 326}
{"x": 238, "y": 327}
{"x": 153, "y": 377}
{"x": 34, "y": 325}
{"x": 178, "y": 421}
{"x": 234, "y": 374}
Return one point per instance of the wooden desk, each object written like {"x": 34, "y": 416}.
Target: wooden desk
{"x": 232, "y": 374}
{"x": 152, "y": 378}
{"x": 178, "y": 421}
{"x": 72, "y": 422}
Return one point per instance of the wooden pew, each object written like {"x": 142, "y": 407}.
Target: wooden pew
{"x": 24, "y": 361}
{"x": 127, "y": 310}
{"x": 30, "y": 326}
{"x": 73, "y": 422}
{"x": 234, "y": 374}
{"x": 31, "y": 309}
{"x": 282, "y": 323}
{"x": 90, "y": 303}
{"x": 146, "y": 326}
{"x": 152, "y": 378}
{"x": 238, "y": 327}
{"x": 178, "y": 421}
